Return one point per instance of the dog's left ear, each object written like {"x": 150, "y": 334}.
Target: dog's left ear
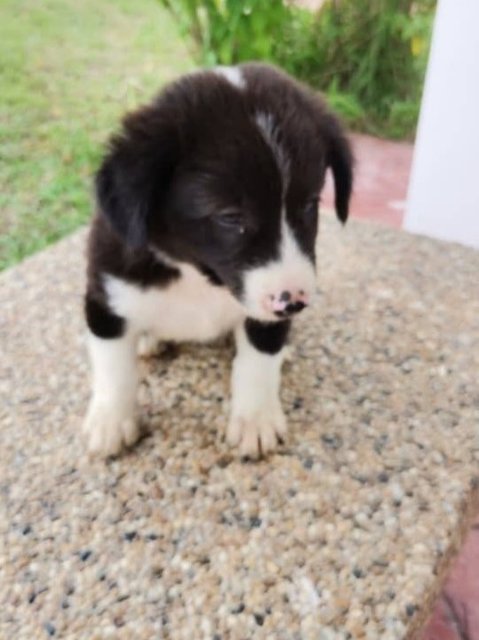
{"x": 340, "y": 158}
{"x": 136, "y": 173}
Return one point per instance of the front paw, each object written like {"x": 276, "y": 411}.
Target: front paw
{"x": 258, "y": 433}
{"x": 108, "y": 429}
{"x": 147, "y": 346}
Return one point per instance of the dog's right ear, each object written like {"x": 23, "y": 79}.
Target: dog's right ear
{"x": 136, "y": 173}
{"x": 340, "y": 159}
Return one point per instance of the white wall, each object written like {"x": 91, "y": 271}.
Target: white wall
{"x": 443, "y": 199}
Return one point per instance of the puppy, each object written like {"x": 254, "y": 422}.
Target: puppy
{"x": 207, "y": 214}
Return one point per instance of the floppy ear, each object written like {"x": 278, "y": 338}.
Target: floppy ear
{"x": 340, "y": 159}
{"x": 135, "y": 175}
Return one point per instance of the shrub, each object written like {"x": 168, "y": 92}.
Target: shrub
{"x": 229, "y": 31}
{"x": 368, "y": 56}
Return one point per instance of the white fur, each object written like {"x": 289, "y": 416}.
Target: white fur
{"x": 111, "y": 421}
{"x": 292, "y": 272}
{"x": 257, "y": 419}
{"x": 190, "y": 308}
{"x": 147, "y": 345}
{"x": 232, "y": 74}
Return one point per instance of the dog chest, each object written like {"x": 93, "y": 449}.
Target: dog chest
{"x": 190, "y": 308}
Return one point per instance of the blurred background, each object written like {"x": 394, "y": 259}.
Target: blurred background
{"x": 68, "y": 70}
{"x": 368, "y": 56}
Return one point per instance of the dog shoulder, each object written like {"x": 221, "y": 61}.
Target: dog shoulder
{"x": 109, "y": 255}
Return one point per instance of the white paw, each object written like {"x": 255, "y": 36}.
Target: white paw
{"x": 108, "y": 429}
{"x": 257, "y": 434}
{"x": 147, "y": 346}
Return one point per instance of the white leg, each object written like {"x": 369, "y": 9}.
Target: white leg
{"x": 257, "y": 419}
{"x": 111, "y": 421}
{"x": 147, "y": 345}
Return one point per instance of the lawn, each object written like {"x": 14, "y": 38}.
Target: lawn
{"x": 68, "y": 70}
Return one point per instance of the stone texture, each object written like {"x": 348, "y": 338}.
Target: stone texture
{"x": 345, "y": 533}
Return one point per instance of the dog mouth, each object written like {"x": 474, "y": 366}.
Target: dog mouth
{"x": 291, "y": 309}
{"x": 269, "y": 307}
{"x": 286, "y": 304}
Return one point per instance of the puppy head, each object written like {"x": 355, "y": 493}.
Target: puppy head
{"x": 224, "y": 170}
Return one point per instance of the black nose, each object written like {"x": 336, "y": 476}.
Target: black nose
{"x": 290, "y": 309}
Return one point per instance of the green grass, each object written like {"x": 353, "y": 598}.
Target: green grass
{"x": 68, "y": 70}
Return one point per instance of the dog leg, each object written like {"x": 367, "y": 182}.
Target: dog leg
{"x": 257, "y": 420}
{"x": 147, "y": 345}
{"x": 111, "y": 422}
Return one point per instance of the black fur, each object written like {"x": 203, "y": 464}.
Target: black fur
{"x": 211, "y": 275}
{"x": 267, "y": 337}
{"x": 191, "y": 175}
{"x": 101, "y": 321}
{"x": 108, "y": 254}
{"x": 340, "y": 159}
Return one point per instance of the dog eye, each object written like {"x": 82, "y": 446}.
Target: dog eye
{"x": 232, "y": 220}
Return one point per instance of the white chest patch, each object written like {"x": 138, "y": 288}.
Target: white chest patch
{"x": 189, "y": 309}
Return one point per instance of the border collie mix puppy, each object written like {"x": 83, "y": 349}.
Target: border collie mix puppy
{"x": 206, "y": 224}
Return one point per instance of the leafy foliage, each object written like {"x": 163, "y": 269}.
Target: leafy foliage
{"x": 228, "y": 31}
{"x": 369, "y": 56}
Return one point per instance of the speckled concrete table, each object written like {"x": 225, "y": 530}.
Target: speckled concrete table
{"x": 345, "y": 533}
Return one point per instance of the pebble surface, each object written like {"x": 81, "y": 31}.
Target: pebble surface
{"x": 345, "y": 533}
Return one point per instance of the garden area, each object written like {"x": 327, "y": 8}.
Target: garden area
{"x": 69, "y": 70}
{"x": 368, "y": 56}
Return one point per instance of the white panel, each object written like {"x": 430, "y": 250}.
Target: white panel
{"x": 443, "y": 197}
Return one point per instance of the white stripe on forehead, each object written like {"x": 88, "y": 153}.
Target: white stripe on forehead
{"x": 232, "y": 74}
{"x": 271, "y": 134}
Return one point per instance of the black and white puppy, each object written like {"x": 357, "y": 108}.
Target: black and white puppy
{"x": 206, "y": 224}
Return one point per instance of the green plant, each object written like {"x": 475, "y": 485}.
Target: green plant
{"x": 368, "y": 56}
{"x": 374, "y": 52}
{"x": 228, "y": 31}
